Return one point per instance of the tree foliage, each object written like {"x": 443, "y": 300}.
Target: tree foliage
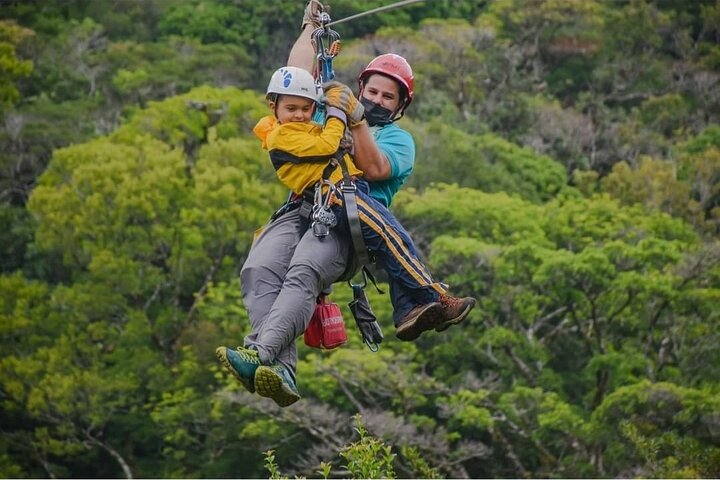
{"x": 566, "y": 176}
{"x": 11, "y": 67}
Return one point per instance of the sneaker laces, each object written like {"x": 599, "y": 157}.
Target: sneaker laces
{"x": 454, "y": 306}
{"x": 247, "y": 354}
{"x": 448, "y": 301}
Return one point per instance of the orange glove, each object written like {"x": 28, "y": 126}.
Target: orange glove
{"x": 340, "y": 96}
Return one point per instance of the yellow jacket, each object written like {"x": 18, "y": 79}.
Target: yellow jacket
{"x": 301, "y": 151}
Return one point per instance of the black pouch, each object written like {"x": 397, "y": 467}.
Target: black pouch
{"x": 365, "y": 318}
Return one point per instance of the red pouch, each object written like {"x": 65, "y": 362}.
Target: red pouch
{"x": 326, "y": 329}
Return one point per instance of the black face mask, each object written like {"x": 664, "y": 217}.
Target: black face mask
{"x": 375, "y": 114}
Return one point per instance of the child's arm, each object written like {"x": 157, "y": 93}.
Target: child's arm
{"x": 323, "y": 146}
{"x": 299, "y": 152}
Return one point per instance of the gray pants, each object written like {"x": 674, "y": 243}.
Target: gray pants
{"x": 285, "y": 271}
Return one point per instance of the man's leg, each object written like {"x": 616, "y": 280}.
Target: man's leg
{"x": 385, "y": 236}
{"x": 419, "y": 302}
{"x": 401, "y": 300}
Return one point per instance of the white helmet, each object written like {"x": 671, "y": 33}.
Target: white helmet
{"x": 293, "y": 81}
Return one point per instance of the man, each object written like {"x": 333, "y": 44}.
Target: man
{"x": 288, "y": 266}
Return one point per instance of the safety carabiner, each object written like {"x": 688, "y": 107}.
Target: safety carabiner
{"x": 327, "y": 46}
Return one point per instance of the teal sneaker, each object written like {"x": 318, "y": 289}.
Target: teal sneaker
{"x": 276, "y": 383}
{"x": 242, "y": 363}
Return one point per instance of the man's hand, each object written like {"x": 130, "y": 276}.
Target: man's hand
{"x": 312, "y": 14}
{"x": 340, "y": 96}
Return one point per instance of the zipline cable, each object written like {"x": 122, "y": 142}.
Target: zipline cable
{"x": 375, "y": 10}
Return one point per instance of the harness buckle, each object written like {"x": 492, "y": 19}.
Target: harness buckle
{"x": 348, "y": 187}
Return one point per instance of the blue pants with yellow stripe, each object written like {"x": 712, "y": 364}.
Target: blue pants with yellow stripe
{"x": 410, "y": 281}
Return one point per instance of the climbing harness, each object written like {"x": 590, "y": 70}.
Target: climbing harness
{"x": 360, "y": 306}
{"x": 326, "y": 42}
{"x": 327, "y": 46}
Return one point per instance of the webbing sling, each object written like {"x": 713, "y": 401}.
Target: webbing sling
{"x": 348, "y": 190}
{"x": 353, "y": 215}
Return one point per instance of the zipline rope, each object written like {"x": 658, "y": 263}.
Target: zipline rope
{"x": 374, "y": 10}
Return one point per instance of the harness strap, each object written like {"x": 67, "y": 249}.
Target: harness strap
{"x": 329, "y": 168}
{"x": 348, "y": 190}
{"x": 354, "y": 224}
{"x": 305, "y": 204}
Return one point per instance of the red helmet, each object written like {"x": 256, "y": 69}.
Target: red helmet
{"x": 395, "y": 67}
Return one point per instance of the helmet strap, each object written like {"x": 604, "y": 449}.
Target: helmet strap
{"x": 273, "y": 99}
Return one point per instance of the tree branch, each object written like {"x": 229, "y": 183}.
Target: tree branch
{"x": 524, "y": 369}
{"x": 123, "y": 464}
{"x": 510, "y": 453}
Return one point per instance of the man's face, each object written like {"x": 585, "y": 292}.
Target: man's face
{"x": 291, "y": 108}
{"x": 383, "y": 91}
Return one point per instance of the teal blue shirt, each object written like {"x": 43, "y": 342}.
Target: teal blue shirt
{"x": 399, "y": 148}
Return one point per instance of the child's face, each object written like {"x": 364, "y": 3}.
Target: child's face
{"x": 290, "y": 108}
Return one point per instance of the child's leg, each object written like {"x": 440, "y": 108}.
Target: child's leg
{"x": 314, "y": 266}
{"x": 264, "y": 270}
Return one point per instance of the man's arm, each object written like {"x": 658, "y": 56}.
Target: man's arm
{"x": 302, "y": 54}
{"x": 368, "y": 157}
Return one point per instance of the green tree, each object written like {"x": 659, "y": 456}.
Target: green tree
{"x": 592, "y": 351}
{"x": 665, "y": 428}
{"x": 145, "y": 228}
{"x": 486, "y": 162}
{"x": 11, "y": 67}
{"x": 578, "y": 298}
{"x": 684, "y": 187}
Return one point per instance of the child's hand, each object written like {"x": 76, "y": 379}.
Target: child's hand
{"x": 340, "y": 96}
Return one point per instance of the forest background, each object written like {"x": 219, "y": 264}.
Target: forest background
{"x": 568, "y": 176}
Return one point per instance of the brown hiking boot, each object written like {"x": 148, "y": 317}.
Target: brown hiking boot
{"x": 454, "y": 310}
{"x": 418, "y": 320}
